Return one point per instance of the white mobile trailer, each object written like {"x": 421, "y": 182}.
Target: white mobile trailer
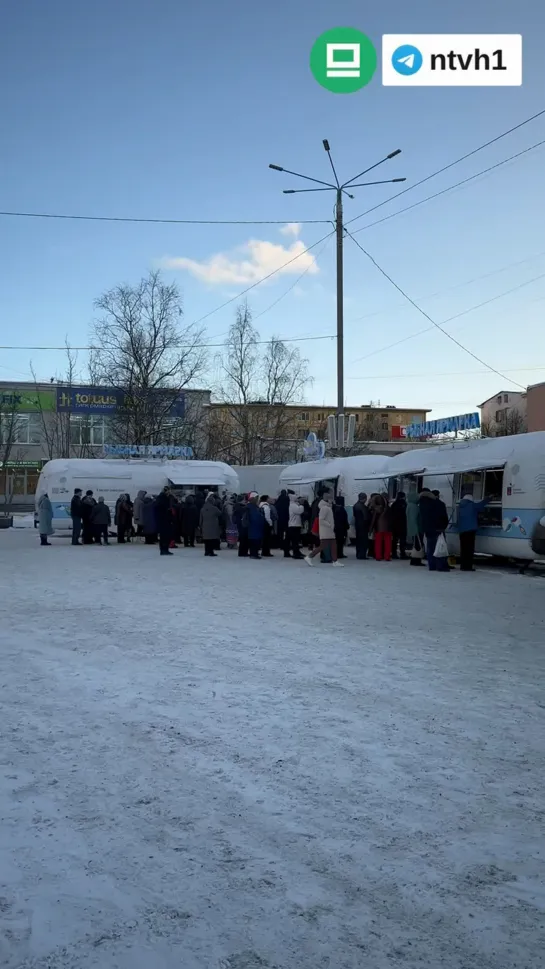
{"x": 342, "y": 476}
{"x": 510, "y": 471}
{"x": 263, "y": 478}
{"x": 111, "y": 478}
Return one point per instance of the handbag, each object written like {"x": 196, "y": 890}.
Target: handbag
{"x": 441, "y": 548}
{"x": 417, "y": 550}
{"x": 316, "y": 526}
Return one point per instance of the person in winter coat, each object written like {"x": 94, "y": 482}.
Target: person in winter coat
{"x": 75, "y": 515}
{"x": 210, "y": 525}
{"x": 190, "y": 521}
{"x": 149, "y": 521}
{"x": 314, "y": 540}
{"x": 381, "y": 525}
{"x": 101, "y": 519}
{"x": 283, "y": 510}
{"x": 87, "y": 505}
{"x": 399, "y": 526}
{"x": 45, "y": 519}
{"x": 434, "y": 521}
{"x": 326, "y": 523}
{"x": 163, "y": 517}
{"x": 118, "y": 501}
{"x": 137, "y": 511}
{"x": 241, "y": 522}
{"x": 267, "y": 526}
{"x": 297, "y": 510}
{"x": 415, "y": 536}
{"x": 468, "y": 523}
{"x": 256, "y": 524}
{"x": 231, "y": 533}
{"x": 123, "y": 519}
{"x": 362, "y": 524}
{"x": 340, "y": 518}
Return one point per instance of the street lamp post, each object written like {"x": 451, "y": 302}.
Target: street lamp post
{"x": 340, "y": 189}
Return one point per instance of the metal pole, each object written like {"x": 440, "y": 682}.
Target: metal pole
{"x": 340, "y": 308}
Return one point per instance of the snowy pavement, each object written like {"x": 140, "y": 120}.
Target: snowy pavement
{"x": 239, "y": 765}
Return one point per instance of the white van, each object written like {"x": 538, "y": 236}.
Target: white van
{"x": 110, "y": 478}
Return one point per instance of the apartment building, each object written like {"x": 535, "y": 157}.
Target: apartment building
{"x": 261, "y": 432}
{"x": 504, "y": 413}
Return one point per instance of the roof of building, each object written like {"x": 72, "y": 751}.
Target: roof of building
{"x": 518, "y": 393}
{"x": 325, "y": 407}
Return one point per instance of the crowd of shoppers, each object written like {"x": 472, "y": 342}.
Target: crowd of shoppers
{"x": 409, "y": 527}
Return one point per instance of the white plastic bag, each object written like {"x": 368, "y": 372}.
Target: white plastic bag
{"x": 441, "y": 548}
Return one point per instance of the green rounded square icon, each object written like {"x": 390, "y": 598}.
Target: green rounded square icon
{"x": 343, "y": 60}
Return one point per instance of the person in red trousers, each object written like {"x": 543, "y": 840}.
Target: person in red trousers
{"x": 382, "y": 526}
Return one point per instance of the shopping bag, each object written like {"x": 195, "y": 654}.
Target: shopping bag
{"x": 417, "y": 550}
{"x": 441, "y": 548}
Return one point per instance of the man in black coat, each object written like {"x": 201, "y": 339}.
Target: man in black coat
{"x": 87, "y": 505}
{"x": 190, "y": 521}
{"x": 163, "y": 516}
{"x": 362, "y": 524}
{"x": 399, "y": 526}
{"x": 75, "y": 514}
{"x": 434, "y": 519}
{"x": 340, "y": 518}
{"x": 283, "y": 511}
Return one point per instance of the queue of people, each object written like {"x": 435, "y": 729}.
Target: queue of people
{"x": 411, "y": 527}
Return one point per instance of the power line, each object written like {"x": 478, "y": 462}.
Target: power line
{"x": 258, "y": 282}
{"x": 119, "y": 218}
{"x": 428, "y": 317}
{"x": 449, "y": 319}
{"x": 188, "y": 346}
{"x": 450, "y": 188}
{"x": 294, "y": 284}
{"x": 451, "y": 373}
{"x": 452, "y": 164}
{"x": 450, "y": 289}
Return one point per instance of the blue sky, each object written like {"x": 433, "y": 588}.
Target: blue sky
{"x": 174, "y": 110}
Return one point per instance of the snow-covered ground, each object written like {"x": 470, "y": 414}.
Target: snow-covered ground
{"x": 254, "y": 765}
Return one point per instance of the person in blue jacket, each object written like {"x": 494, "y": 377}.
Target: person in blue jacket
{"x": 256, "y": 525}
{"x": 468, "y": 523}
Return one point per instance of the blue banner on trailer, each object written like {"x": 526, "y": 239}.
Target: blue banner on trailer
{"x": 445, "y": 425}
{"x": 147, "y": 451}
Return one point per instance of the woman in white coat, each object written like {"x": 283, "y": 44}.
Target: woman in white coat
{"x": 296, "y": 512}
{"x": 45, "y": 519}
{"x": 326, "y": 525}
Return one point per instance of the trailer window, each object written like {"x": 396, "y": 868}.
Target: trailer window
{"x": 485, "y": 484}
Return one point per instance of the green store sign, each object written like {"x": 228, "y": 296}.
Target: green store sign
{"x": 27, "y": 401}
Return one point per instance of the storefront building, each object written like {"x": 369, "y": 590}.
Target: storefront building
{"x": 39, "y": 422}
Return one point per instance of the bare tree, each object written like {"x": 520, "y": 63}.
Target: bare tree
{"x": 253, "y": 424}
{"x": 512, "y": 422}
{"x": 141, "y": 350}
{"x": 10, "y": 423}
{"x": 56, "y": 426}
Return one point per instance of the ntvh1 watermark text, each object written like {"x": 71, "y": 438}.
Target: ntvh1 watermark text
{"x": 449, "y": 60}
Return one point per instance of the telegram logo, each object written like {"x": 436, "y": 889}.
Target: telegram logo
{"x": 407, "y": 59}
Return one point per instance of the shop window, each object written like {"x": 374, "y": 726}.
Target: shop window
{"x": 20, "y": 428}
{"x": 92, "y": 431}
{"x": 484, "y": 484}
{"x": 32, "y": 478}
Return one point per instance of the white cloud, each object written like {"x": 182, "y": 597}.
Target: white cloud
{"x": 291, "y": 229}
{"x": 248, "y": 263}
